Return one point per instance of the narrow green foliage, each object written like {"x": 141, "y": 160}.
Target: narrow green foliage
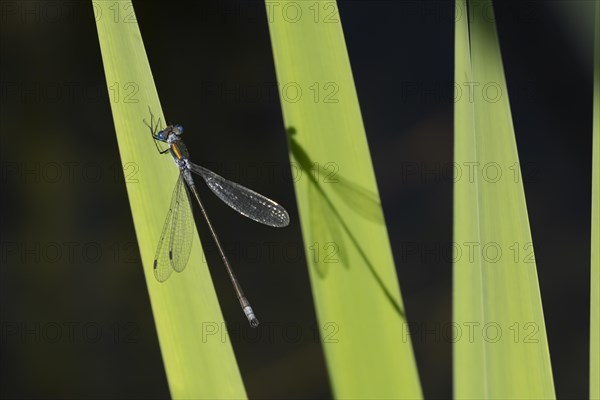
{"x": 503, "y": 352}
{"x": 595, "y": 259}
{"x": 186, "y": 305}
{"x": 358, "y": 302}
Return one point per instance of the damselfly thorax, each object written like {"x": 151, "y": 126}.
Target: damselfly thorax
{"x": 172, "y": 136}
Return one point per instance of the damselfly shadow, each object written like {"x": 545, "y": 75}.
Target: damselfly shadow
{"x": 175, "y": 243}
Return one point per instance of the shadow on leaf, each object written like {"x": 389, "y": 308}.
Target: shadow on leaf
{"x": 327, "y": 222}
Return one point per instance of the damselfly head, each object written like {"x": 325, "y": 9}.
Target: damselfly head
{"x": 170, "y": 130}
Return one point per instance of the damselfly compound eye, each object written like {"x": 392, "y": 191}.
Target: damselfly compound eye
{"x": 178, "y": 129}
{"x": 161, "y": 135}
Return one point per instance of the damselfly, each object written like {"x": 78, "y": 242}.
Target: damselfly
{"x": 175, "y": 243}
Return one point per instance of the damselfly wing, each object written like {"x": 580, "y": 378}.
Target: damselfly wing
{"x": 243, "y": 200}
{"x": 175, "y": 243}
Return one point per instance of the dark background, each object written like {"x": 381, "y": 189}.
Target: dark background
{"x": 75, "y": 314}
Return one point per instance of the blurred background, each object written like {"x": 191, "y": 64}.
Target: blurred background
{"x": 75, "y": 314}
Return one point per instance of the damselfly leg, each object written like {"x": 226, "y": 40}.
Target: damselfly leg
{"x": 154, "y": 131}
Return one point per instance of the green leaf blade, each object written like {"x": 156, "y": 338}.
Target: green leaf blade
{"x": 495, "y": 288}
{"x": 188, "y": 318}
{"x": 595, "y": 235}
{"x": 355, "y": 288}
